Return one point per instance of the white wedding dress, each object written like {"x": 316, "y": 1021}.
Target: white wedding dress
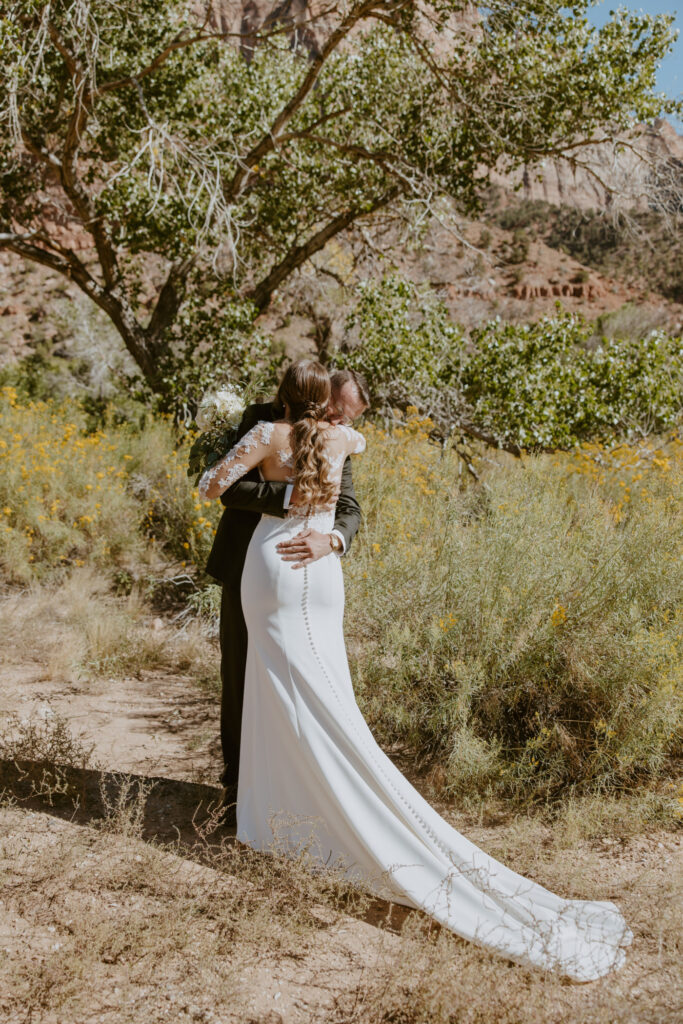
{"x": 311, "y": 773}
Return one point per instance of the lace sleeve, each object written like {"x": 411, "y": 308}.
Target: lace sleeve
{"x": 355, "y": 439}
{"x": 359, "y": 445}
{"x": 246, "y": 454}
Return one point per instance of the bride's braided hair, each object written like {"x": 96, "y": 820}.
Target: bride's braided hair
{"x": 305, "y": 390}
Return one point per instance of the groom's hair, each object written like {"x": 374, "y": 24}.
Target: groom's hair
{"x": 338, "y": 378}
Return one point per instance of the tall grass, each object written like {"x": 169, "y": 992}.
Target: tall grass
{"x": 523, "y": 633}
{"x": 527, "y": 633}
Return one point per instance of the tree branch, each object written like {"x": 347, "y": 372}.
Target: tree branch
{"x": 56, "y": 257}
{"x": 170, "y": 297}
{"x": 262, "y": 292}
{"x": 270, "y": 139}
{"x": 378, "y": 156}
{"x": 41, "y": 152}
{"x": 19, "y": 244}
{"x": 67, "y": 168}
{"x": 109, "y": 300}
{"x": 159, "y": 60}
{"x": 178, "y": 43}
{"x": 490, "y": 439}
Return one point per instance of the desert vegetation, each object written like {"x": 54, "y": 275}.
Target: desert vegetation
{"x": 209, "y": 198}
{"x": 515, "y": 644}
{"x": 521, "y": 630}
{"x": 626, "y": 245}
{"x": 537, "y": 386}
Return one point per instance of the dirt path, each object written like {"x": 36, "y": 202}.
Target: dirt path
{"x": 163, "y": 733}
{"x": 98, "y": 922}
{"x": 154, "y": 724}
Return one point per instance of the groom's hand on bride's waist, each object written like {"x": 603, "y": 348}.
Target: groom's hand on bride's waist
{"x": 307, "y": 546}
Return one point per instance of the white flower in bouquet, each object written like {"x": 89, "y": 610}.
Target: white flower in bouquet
{"x": 224, "y": 408}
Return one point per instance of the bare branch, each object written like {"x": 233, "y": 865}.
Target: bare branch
{"x": 202, "y": 191}
{"x": 263, "y": 291}
{"x": 71, "y": 183}
{"x": 7, "y": 237}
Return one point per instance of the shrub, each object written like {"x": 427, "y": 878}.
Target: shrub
{"x": 526, "y": 636}
{"x": 630, "y": 321}
{"x": 540, "y": 386}
{"x": 401, "y": 333}
{"x": 535, "y": 386}
{"x": 69, "y": 496}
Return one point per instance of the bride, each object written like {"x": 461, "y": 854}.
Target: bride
{"x": 309, "y": 765}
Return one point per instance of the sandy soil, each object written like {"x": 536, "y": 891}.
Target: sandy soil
{"x": 71, "y": 888}
{"x": 155, "y": 724}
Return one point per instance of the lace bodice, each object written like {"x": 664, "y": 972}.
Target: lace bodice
{"x": 268, "y": 446}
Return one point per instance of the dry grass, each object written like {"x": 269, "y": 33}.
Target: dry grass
{"x": 102, "y": 926}
{"x": 80, "y": 631}
{"x": 104, "y": 922}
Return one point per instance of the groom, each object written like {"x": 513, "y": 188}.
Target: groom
{"x": 244, "y": 503}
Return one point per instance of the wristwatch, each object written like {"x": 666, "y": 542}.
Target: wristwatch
{"x": 336, "y": 544}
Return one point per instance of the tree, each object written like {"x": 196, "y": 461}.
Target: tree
{"x": 138, "y": 142}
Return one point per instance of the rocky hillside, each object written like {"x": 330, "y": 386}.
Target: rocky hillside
{"x": 633, "y": 177}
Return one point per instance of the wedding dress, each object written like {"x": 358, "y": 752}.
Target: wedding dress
{"x": 311, "y": 774}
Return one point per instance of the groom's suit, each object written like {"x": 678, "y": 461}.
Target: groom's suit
{"x": 245, "y": 502}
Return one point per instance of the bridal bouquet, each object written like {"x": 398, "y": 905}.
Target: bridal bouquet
{"x": 218, "y": 417}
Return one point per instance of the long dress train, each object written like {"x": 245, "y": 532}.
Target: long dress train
{"x": 311, "y": 772}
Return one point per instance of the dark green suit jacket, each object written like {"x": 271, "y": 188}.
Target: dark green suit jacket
{"x": 250, "y": 497}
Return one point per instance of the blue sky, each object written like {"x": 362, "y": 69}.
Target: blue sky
{"x": 670, "y": 77}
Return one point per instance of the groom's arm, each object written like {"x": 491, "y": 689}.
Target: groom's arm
{"x": 347, "y": 517}
{"x": 266, "y": 497}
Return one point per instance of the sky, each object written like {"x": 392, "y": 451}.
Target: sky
{"x": 670, "y": 76}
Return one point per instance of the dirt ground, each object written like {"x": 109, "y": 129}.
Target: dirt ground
{"x": 119, "y": 910}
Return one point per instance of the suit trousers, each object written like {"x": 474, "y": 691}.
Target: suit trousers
{"x": 233, "y": 641}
